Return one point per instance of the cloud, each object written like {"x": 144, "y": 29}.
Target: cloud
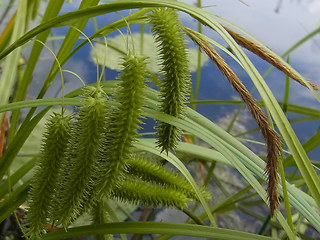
{"x": 313, "y": 6}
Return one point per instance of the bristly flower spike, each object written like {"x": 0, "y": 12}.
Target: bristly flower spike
{"x": 160, "y": 175}
{"x": 122, "y": 122}
{"x": 136, "y": 191}
{"x": 168, "y": 34}
{"x": 44, "y": 182}
{"x": 75, "y": 189}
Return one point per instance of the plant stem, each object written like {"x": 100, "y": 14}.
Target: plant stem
{"x": 193, "y": 216}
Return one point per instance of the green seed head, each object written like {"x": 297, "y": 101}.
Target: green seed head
{"x": 167, "y": 32}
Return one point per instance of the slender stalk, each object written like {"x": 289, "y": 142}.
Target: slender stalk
{"x": 281, "y": 168}
{"x": 4, "y": 15}
{"x": 286, "y": 93}
{"x": 198, "y": 77}
{"x": 141, "y": 38}
{"x": 264, "y": 226}
{"x": 286, "y": 196}
{"x": 235, "y": 117}
{"x": 194, "y": 217}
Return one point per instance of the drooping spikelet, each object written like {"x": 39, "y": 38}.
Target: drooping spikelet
{"x": 75, "y": 188}
{"x": 160, "y": 175}
{"x": 44, "y": 182}
{"x": 122, "y": 123}
{"x": 136, "y": 191}
{"x": 168, "y": 34}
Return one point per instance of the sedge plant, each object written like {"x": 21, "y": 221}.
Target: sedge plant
{"x": 95, "y": 153}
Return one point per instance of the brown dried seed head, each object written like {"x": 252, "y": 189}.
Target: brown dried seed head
{"x": 271, "y": 137}
{"x": 266, "y": 55}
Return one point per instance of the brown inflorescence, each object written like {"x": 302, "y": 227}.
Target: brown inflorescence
{"x": 267, "y": 56}
{"x": 271, "y": 137}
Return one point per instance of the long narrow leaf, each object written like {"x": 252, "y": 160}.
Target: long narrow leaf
{"x": 14, "y": 200}
{"x": 52, "y": 10}
{"x": 16, "y": 177}
{"x": 156, "y": 228}
{"x": 9, "y": 73}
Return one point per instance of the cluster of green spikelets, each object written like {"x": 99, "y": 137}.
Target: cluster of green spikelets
{"x": 87, "y": 157}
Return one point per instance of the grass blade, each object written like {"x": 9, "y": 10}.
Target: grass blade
{"x": 156, "y": 228}
{"x": 9, "y": 73}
